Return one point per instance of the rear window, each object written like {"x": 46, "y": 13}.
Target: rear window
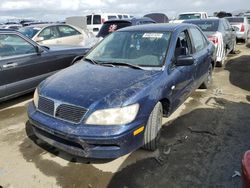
{"x": 97, "y": 19}
{"x": 235, "y": 20}
{"x": 206, "y": 25}
{"x": 89, "y": 19}
{"x": 110, "y": 27}
{"x": 189, "y": 16}
{"x": 29, "y": 31}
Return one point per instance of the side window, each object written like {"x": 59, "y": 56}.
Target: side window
{"x": 228, "y": 25}
{"x": 97, "y": 19}
{"x": 13, "y": 45}
{"x": 66, "y": 31}
{"x": 199, "y": 40}
{"x": 111, "y": 17}
{"x": 49, "y": 33}
{"x": 89, "y": 17}
{"x": 183, "y": 44}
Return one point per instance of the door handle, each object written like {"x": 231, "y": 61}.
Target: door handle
{"x": 10, "y": 65}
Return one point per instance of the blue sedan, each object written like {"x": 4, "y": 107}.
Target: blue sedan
{"x": 112, "y": 102}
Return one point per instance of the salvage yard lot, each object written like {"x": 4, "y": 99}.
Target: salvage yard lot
{"x": 201, "y": 144}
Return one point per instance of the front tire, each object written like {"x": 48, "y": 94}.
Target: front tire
{"x": 153, "y": 127}
{"x": 206, "y": 84}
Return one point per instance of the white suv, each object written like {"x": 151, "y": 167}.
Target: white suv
{"x": 95, "y": 21}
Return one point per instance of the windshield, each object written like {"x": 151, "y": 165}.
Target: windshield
{"x": 146, "y": 49}
{"x": 29, "y": 31}
{"x": 208, "y": 26}
{"x": 189, "y": 16}
{"x": 110, "y": 27}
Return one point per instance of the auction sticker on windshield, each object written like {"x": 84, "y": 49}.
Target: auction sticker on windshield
{"x": 152, "y": 35}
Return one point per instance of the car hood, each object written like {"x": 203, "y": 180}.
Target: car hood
{"x": 84, "y": 84}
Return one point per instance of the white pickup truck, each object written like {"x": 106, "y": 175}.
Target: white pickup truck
{"x": 190, "y": 15}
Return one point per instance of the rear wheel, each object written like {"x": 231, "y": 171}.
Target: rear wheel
{"x": 152, "y": 131}
{"x": 206, "y": 84}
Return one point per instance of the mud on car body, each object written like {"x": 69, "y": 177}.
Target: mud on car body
{"x": 112, "y": 102}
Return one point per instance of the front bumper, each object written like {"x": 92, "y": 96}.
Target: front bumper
{"x": 89, "y": 142}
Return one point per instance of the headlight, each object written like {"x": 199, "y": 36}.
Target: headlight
{"x": 114, "y": 116}
{"x": 36, "y": 98}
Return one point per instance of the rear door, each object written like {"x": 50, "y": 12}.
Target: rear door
{"x": 202, "y": 55}
{"x": 69, "y": 35}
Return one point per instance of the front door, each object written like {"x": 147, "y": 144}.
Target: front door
{"x": 182, "y": 76}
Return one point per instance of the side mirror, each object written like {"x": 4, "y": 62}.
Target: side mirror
{"x": 184, "y": 61}
{"x": 39, "y": 50}
{"x": 39, "y": 39}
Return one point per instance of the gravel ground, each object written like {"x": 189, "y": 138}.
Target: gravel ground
{"x": 201, "y": 144}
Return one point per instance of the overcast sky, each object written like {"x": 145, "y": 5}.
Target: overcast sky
{"x": 59, "y": 9}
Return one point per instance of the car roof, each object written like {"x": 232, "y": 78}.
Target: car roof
{"x": 201, "y": 20}
{"x": 8, "y": 31}
{"x": 192, "y": 13}
{"x": 156, "y": 27}
{"x": 130, "y": 20}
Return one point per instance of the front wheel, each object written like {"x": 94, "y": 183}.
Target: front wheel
{"x": 152, "y": 131}
{"x": 206, "y": 84}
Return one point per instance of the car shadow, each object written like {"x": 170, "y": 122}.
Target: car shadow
{"x": 200, "y": 149}
{"x": 239, "y": 69}
{"x": 248, "y": 98}
{"x": 14, "y": 101}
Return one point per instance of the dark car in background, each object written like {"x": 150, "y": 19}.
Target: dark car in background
{"x": 112, "y": 102}
{"x": 241, "y": 26}
{"x": 113, "y": 25}
{"x": 221, "y": 33}
{"x": 158, "y": 17}
{"x": 24, "y": 64}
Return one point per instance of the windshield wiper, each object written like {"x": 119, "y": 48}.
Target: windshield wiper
{"x": 122, "y": 64}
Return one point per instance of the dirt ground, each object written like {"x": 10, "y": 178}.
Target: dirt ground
{"x": 201, "y": 144}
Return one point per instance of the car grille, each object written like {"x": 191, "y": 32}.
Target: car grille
{"x": 46, "y": 105}
{"x": 66, "y": 112}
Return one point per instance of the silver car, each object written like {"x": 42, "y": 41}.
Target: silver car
{"x": 220, "y": 33}
{"x": 55, "y": 34}
{"x": 241, "y": 26}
